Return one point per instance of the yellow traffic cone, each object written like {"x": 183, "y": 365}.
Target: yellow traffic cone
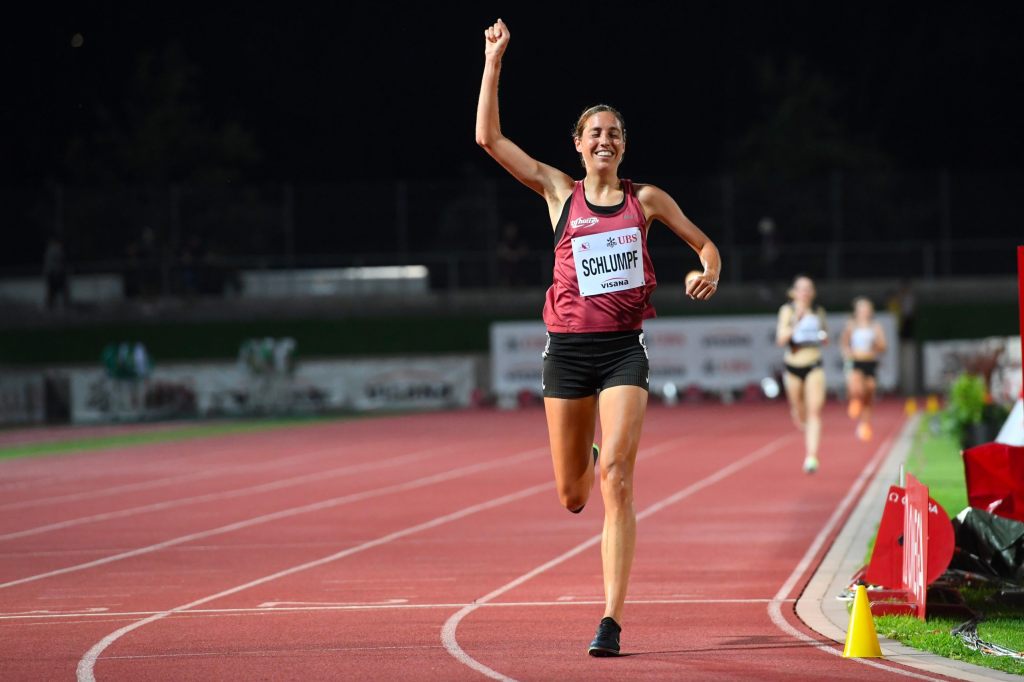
{"x": 861, "y": 638}
{"x": 910, "y": 407}
{"x": 932, "y": 404}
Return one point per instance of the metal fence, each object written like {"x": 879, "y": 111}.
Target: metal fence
{"x": 172, "y": 239}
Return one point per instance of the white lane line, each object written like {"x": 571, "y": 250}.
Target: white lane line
{"x": 227, "y": 494}
{"x": 273, "y": 652}
{"x": 313, "y": 604}
{"x": 277, "y": 547}
{"x": 87, "y": 664}
{"x": 58, "y": 436}
{"x": 448, "y": 632}
{"x": 177, "y": 478}
{"x": 74, "y": 466}
{"x": 21, "y": 485}
{"x": 101, "y": 613}
{"x": 96, "y": 472}
{"x": 286, "y": 513}
{"x": 781, "y": 597}
{"x": 113, "y": 490}
{"x": 53, "y": 613}
{"x": 88, "y": 471}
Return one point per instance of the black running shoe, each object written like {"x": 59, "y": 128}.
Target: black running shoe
{"x": 606, "y": 641}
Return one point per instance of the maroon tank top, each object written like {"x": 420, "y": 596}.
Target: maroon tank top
{"x": 603, "y": 275}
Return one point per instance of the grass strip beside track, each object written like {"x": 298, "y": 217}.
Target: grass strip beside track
{"x": 934, "y": 636}
{"x": 164, "y": 435}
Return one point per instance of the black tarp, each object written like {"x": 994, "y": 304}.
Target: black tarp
{"x": 989, "y": 544}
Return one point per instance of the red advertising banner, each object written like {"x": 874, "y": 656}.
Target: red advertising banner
{"x": 994, "y": 473}
{"x": 1020, "y": 299}
{"x": 886, "y": 567}
{"x": 915, "y": 544}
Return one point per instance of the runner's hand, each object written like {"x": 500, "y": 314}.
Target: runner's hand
{"x": 702, "y": 287}
{"x": 496, "y": 40}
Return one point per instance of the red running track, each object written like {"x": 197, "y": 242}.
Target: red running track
{"x": 428, "y": 547}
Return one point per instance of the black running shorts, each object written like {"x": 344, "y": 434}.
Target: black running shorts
{"x": 802, "y": 372}
{"x": 579, "y": 365}
{"x": 866, "y": 367}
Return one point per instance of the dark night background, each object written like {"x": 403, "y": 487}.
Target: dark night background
{"x": 232, "y": 95}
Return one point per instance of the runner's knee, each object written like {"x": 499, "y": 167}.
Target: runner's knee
{"x": 572, "y": 498}
{"x": 616, "y": 484}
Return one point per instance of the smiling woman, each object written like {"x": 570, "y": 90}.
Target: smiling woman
{"x": 595, "y": 354}
{"x": 617, "y": 132}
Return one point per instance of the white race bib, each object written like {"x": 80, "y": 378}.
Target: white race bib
{"x": 609, "y": 261}
{"x": 807, "y": 330}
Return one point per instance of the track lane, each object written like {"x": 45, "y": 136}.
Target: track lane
{"x": 698, "y": 606}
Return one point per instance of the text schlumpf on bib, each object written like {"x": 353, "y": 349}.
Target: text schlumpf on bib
{"x": 609, "y": 261}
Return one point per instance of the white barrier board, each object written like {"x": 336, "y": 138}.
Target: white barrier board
{"x": 713, "y": 353}
{"x": 227, "y": 389}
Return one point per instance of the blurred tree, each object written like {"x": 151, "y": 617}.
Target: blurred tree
{"x": 159, "y": 133}
{"x": 794, "y": 162}
{"x": 799, "y": 130}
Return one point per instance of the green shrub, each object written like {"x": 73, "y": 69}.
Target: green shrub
{"x": 971, "y": 417}
{"x": 966, "y": 405}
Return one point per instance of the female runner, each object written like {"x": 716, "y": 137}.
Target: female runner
{"x": 863, "y": 341}
{"x": 595, "y": 360}
{"x": 801, "y": 329}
